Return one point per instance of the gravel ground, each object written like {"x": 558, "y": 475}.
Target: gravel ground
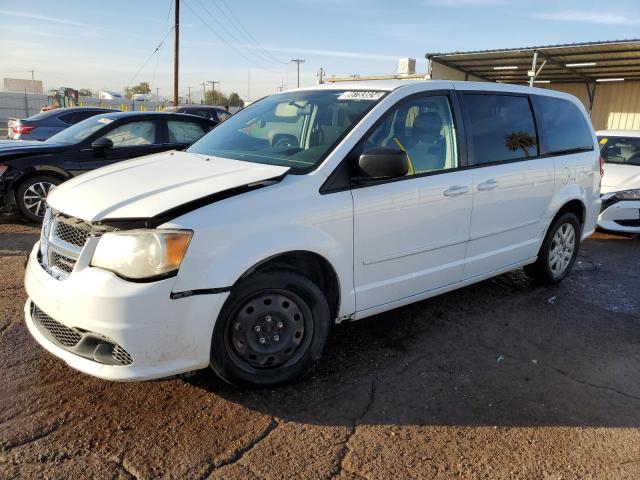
{"x": 502, "y": 379}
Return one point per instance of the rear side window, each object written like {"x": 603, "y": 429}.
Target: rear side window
{"x": 563, "y": 127}
{"x": 184, "y": 132}
{"x": 75, "y": 117}
{"x": 500, "y": 128}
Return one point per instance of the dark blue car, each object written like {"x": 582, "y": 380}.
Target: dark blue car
{"x": 46, "y": 124}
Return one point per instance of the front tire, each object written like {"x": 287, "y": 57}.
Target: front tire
{"x": 558, "y": 251}
{"x": 31, "y": 196}
{"x": 271, "y": 330}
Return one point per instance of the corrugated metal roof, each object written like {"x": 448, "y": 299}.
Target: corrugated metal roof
{"x": 608, "y": 59}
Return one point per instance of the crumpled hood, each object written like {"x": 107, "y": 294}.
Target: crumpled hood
{"x": 620, "y": 177}
{"x": 150, "y": 185}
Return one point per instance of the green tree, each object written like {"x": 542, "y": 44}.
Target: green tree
{"x": 142, "y": 87}
{"x": 84, "y": 92}
{"x": 216, "y": 98}
{"x": 235, "y": 100}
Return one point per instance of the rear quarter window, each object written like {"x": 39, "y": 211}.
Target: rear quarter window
{"x": 563, "y": 128}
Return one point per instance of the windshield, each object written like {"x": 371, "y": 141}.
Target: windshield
{"x": 624, "y": 150}
{"x": 292, "y": 129}
{"x": 81, "y": 130}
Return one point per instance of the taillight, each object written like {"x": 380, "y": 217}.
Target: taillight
{"x": 601, "y": 166}
{"x": 22, "y": 129}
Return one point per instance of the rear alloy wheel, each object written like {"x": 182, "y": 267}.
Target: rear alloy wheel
{"x": 31, "y": 196}
{"x": 558, "y": 251}
{"x": 271, "y": 330}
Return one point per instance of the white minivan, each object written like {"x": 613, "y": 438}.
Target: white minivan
{"x": 309, "y": 207}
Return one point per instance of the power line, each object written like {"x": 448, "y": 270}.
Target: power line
{"x": 237, "y": 25}
{"x": 150, "y": 56}
{"x": 231, "y": 34}
{"x": 222, "y": 39}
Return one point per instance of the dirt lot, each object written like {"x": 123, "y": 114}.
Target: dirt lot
{"x": 502, "y": 379}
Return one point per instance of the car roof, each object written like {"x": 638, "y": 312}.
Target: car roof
{"x": 618, "y": 133}
{"x": 118, "y": 115}
{"x": 390, "y": 85}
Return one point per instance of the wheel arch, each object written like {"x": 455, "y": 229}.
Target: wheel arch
{"x": 310, "y": 264}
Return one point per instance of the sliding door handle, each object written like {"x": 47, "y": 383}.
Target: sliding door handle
{"x": 456, "y": 191}
{"x": 488, "y": 185}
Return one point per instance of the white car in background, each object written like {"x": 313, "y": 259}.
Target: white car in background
{"x": 620, "y": 190}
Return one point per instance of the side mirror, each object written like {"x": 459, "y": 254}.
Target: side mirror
{"x": 383, "y": 164}
{"x": 102, "y": 143}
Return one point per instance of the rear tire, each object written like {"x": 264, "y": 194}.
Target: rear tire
{"x": 271, "y": 330}
{"x": 32, "y": 194}
{"x": 558, "y": 251}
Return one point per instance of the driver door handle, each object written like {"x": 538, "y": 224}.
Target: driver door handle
{"x": 456, "y": 191}
{"x": 488, "y": 185}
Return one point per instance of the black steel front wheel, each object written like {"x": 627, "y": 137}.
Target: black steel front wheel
{"x": 271, "y": 330}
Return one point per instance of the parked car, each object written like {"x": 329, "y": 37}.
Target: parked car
{"x": 46, "y": 124}
{"x": 620, "y": 150}
{"x": 29, "y": 170}
{"x": 309, "y": 207}
{"x": 216, "y": 114}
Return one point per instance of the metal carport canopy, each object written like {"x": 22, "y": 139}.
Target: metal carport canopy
{"x": 589, "y": 63}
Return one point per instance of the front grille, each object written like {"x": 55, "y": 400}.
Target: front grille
{"x": 62, "y": 241}
{"x": 86, "y": 344}
{"x": 59, "y": 333}
{"x": 61, "y": 262}
{"x": 77, "y": 234}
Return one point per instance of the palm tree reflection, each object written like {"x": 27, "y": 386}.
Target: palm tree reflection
{"x": 520, "y": 141}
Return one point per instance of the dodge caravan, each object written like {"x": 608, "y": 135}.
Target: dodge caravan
{"x": 310, "y": 207}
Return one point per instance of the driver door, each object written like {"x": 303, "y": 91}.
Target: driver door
{"x": 411, "y": 234}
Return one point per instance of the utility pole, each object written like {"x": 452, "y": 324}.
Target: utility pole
{"x": 298, "y": 61}
{"x": 320, "y": 75}
{"x": 176, "y": 28}
{"x": 33, "y": 82}
{"x": 189, "y": 95}
{"x": 213, "y": 86}
{"x": 204, "y": 92}
{"x": 157, "y": 92}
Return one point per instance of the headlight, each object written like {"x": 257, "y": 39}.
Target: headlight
{"x": 141, "y": 254}
{"x": 628, "y": 195}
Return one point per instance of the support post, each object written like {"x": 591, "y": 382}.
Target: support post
{"x": 533, "y": 68}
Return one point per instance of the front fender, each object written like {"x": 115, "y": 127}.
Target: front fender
{"x": 222, "y": 250}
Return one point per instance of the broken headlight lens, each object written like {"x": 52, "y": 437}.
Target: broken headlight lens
{"x": 628, "y": 195}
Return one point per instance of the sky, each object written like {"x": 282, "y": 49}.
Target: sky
{"x": 247, "y": 45}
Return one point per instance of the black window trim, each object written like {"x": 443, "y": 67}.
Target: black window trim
{"x": 341, "y": 179}
{"x": 468, "y": 122}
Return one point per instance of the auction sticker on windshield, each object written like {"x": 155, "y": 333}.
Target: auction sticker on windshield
{"x": 361, "y": 95}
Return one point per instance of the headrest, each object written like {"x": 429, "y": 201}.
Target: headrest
{"x": 428, "y": 122}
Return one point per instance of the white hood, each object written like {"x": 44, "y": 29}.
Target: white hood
{"x": 620, "y": 177}
{"x": 150, "y": 185}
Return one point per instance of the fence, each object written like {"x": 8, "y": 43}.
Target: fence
{"x": 23, "y": 105}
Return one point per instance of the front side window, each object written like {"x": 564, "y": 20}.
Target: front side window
{"x": 184, "y": 132}
{"x": 292, "y": 129}
{"x": 133, "y": 134}
{"x": 500, "y": 128}
{"x": 563, "y": 127}
{"x": 624, "y": 150}
{"x": 423, "y": 128}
